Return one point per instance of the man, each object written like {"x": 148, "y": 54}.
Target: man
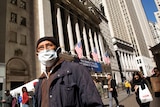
{"x": 63, "y": 83}
{"x": 156, "y": 72}
{"x": 112, "y": 92}
{"x": 8, "y": 99}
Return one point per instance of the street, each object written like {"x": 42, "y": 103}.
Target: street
{"x": 130, "y": 101}
{"x": 124, "y": 99}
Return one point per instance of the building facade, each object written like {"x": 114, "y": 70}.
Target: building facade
{"x": 73, "y": 21}
{"x": 16, "y": 43}
{"x": 155, "y": 29}
{"x": 127, "y": 20}
{"x": 155, "y": 32}
{"x": 23, "y": 22}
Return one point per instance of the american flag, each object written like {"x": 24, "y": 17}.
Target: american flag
{"x": 78, "y": 49}
{"x": 106, "y": 58}
{"x": 95, "y": 55}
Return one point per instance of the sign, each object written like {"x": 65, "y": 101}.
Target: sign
{"x": 90, "y": 64}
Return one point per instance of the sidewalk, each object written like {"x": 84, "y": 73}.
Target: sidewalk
{"x": 122, "y": 95}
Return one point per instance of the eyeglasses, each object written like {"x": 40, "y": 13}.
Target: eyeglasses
{"x": 45, "y": 45}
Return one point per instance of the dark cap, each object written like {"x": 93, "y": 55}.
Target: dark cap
{"x": 51, "y": 39}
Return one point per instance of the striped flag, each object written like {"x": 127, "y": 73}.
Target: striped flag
{"x": 78, "y": 49}
{"x": 106, "y": 58}
{"x": 95, "y": 55}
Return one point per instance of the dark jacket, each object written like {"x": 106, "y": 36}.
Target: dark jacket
{"x": 8, "y": 101}
{"x": 72, "y": 86}
{"x": 113, "y": 85}
{"x": 141, "y": 83}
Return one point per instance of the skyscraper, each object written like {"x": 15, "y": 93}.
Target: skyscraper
{"x": 130, "y": 31}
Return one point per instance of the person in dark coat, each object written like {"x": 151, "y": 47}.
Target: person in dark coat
{"x": 8, "y": 99}
{"x": 63, "y": 83}
{"x": 139, "y": 80}
{"x": 112, "y": 90}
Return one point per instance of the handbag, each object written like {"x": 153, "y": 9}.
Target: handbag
{"x": 145, "y": 95}
{"x": 155, "y": 83}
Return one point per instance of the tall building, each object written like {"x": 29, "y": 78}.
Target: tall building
{"x": 130, "y": 31}
{"x": 155, "y": 32}
{"x": 156, "y": 49}
{"x": 156, "y": 25}
{"x": 16, "y": 43}
{"x": 157, "y": 14}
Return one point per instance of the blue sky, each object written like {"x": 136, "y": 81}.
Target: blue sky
{"x": 150, "y": 8}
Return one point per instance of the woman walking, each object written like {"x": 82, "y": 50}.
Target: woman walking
{"x": 137, "y": 81}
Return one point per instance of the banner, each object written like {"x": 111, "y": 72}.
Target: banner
{"x": 90, "y": 64}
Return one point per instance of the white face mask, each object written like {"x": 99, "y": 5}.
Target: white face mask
{"x": 47, "y": 57}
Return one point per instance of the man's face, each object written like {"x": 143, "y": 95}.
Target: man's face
{"x": 45, "y": 45}
{"x": 108, "y": 76}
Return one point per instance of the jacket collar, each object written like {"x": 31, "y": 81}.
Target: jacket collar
{"x": 54, "y": 68}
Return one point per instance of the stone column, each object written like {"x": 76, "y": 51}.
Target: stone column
{"x": 132, "y": 62}
{"x": 60, "y": 30}
{"x": 70, "y": 34}
{"x": 129, "y": 61}
{"x": 97, "y": 47}
{"x": 122, "y": 60}
{"x": 78, "y": 35}
{"x": 41, "y": 18}
{"x": 77, "y": 31}
{"x": 91, "y": 40}
{"x": 101, "y": 47}
{"x": 48, "y": 30}
{"x": 86, "y": 42}
{"x": 126, "y": 61}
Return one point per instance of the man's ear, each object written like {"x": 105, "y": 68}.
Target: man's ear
{"x": 37, "y": 53}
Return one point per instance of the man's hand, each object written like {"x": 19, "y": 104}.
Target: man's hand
{"x": 111, "y": 89}
{"x": 3, "y": 101}
{"x": 136, "y": 87}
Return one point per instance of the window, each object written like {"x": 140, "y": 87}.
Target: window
{"x": 23, "y": 39}
{"x": 23, "y": 21}
{"x": 22, "y": 4}
{"x": 13, "y": 17}
{"x": 13, "y": 37}
{"x": 14, "y": 2}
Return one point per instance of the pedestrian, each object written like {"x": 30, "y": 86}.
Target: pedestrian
{"x": 19, "y": 99}
{"x": 63, "y": 83}
{"x": 154, "y": 81}
{"x": 127, "y": 86}
{"x": 99, "y": 87}
{"x": 33, "y": 94}
{"x": 137, "y": 81}
{"x": 25, "y": 97}
{"x": 8, "y": 99}
{"x": 112, "y": 92}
